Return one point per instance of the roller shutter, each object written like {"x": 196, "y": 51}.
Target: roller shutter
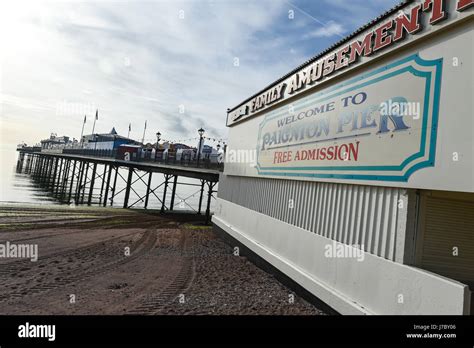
{"x": 448, "y": 223}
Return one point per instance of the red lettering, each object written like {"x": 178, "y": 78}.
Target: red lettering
{"x": 382, "y": 36}
{"x": 354, "y": 151}
{"x": 329, "y": 65}
{"x": 323, "y": 153}
{"x": 330, "y": 153}
{"x": 341, "y": 58}
{"x": 437, "y": 13}
{"x": 282, "y": 157}
{"x": 407, "y": 25}
{"x": 357, "y": 48}
{"x": 276, "y": 157}
{"x": 464, "y": 4}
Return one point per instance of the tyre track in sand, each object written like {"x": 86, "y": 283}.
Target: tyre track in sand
{"x": 100, "y": 252}
{"x": 178, "y": 276}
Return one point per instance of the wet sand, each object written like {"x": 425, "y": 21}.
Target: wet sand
{"x": 115, "y": 261}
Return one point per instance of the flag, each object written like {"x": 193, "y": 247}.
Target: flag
{"x": 145, "y": 124}
{"x": 129, "y": 127}
{"x": 97, "y": 114}
{"x": 84, "y": 119}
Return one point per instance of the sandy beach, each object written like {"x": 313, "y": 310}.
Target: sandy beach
{"x": 115, "y": 261}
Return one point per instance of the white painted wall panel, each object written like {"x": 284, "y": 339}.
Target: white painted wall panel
{"x": 371, "y": 286}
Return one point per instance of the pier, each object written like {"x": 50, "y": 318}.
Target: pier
{"x": 76, "y": 177}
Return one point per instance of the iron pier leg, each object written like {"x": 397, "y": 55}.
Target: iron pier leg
{"x": 173, "y": 193}
{"x": 72, "y": 181}
{"x": 102, "y": 185}
{"x": 47, "y": 173}
{"x": 127, "y": 189}
{"x": 85, "y": 183}
{"x": 64, "y": 180}
{"x": 148, "y": 189}
{"x": 115, "y": 185}
{"x": 41, "y": 170}
{"x": 60, "y": 175}
{"x": 52, "y": 179}
{"x": 109, "y": 172}
{"x": 79, "y": 181}
{"x": 164, "y": 193}
{"x": 91, "y": 190}
{"x": 200, "y": 197}
{"x": 209, "y": 196}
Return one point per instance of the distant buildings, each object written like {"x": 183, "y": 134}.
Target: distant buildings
{"x": 54, "y": 142}
{"x": 106, "y": 141}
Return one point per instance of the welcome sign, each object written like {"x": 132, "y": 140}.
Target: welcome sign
{"x": 378, "y": 126}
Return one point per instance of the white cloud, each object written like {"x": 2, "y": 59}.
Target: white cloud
{"x": 137, "y": 61}
{"x": 330, "y": 29}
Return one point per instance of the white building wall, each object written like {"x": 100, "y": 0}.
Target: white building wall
{"x": 255, "y": 208}
{"x": 372, "y": 286}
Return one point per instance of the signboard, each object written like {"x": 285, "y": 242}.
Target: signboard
{"x": 378, "y": 126}
{"x": 399, "y": 27}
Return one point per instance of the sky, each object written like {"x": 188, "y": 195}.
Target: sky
{"x": 178, "y": 65}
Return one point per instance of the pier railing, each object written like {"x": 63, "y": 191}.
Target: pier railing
{"x": 207, "y": 161}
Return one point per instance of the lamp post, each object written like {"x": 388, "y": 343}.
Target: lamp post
{"x": 201, "y": 132}
{"x": 219, "y": 158}
{"x": 158, "y": 136}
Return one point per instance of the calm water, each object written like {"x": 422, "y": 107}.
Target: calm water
{"x": 21, "y": 188}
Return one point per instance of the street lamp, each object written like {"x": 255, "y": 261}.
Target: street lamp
{"x": 201, "y": 132}
{"x": 158, "y": 136}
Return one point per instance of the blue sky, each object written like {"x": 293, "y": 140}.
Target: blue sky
{"x": 171, "y": 63}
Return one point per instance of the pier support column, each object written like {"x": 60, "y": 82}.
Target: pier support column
{"x": 41, "y": 170}
{"x": 35, "y": 168}
{"x": 33, "y": 165}
{"x": 52, "y": 180}
{"x": 33, "y": 161}
{"x": 173, "y": 193}
{"x": 79, "y": 181}
{"x": 64, "y": 180}
{"x": 85, "y": 183}
{"x": 200, "y": 196}
{"x": 127, "y": 189}
{"x": 57, "y": 182}
{"x": 47, "y": 171}
{"x": 115, "y": 185}
{"x": 19, "y": 163}
{"x": 102, "y": 185}
{"x": 91, "y": 189}
{"x": 72, "y": 181}
{"x": 167, "y": 177}
{"x": 148, "y": 189}
{"x": 209, "y": 196}
{"x": 107, "y": 185}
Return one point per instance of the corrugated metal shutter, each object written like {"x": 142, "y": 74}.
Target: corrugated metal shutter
{"x": 448, "y": 224}
{"x": 352, "y": 214}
